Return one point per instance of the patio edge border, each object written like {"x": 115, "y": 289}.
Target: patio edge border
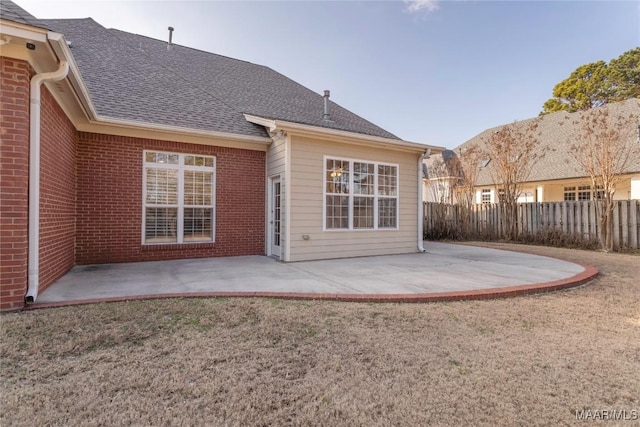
{"x": 587, "y": 275}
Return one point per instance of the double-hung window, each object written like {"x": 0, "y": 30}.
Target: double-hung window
{"x": 584, "y": 192}
{"x": 179, "y": 197}
{"x": 569, "y": 194}
{"x": 360, "y": 195}
{"x": 485, "y": 196}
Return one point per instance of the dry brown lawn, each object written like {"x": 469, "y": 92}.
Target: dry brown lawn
{"x": 530, "y": 361}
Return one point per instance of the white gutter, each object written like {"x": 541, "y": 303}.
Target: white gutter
{"x": 34, "y": 175}
{"x": 61, "y": 48}
{"x": 273, "y": 125}
{"x": 134, "y": 124}
{"x": 421, "y": 248}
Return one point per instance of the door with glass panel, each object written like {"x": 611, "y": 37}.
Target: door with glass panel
{"x": 275, "y": 216}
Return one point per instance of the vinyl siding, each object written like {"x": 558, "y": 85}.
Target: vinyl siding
{"x": 306, "y": 192}
{"x": 276, "y": 157}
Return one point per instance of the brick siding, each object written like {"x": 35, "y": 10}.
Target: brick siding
{"x": 109, "y": 209}
{"x": 58, "y": 139}
{"x": 91, "y": 194}
{"x": 14, "y": 179}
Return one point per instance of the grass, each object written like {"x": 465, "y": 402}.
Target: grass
{"x": 524, "y": 361}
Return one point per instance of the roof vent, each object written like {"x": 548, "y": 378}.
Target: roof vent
{"x": 170, "y": 38}
{"x": 326, "y": 117}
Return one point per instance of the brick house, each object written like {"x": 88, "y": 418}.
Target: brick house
{"x": 118, "y": 148}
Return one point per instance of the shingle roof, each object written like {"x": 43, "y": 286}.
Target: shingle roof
{"x": 135, "y": 77}
{"x": 557, "y": 133}
{"x": 12, "y": 12}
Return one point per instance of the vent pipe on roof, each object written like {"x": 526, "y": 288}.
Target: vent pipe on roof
{"x": 326, "y": 117}
{"x": 170, "y": 38}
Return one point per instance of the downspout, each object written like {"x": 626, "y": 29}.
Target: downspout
{"x": 34, "y": 175}
{"x": 423, "y": 156}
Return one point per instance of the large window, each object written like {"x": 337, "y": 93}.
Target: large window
{"x": 360, "y": 195}
{"x": 583, "y": 193}
{"x": 179, "y": 198}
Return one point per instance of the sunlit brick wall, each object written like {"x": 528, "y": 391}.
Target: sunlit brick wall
{"x": 109, "y": 227}
{"x": 14, "y": 181}
{"x": 58, "y": 140}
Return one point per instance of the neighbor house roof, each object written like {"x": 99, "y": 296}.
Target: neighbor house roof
{"x": 138, "y": 78}
{"x": 12, "y": 12}
{"x": 557, "y": 132}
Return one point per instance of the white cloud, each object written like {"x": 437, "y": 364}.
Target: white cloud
{"x": 427, "y": 6}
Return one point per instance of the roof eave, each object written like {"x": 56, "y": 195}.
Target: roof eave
{"x": 346, "y": 136}
{"x": 62, "y": 50}
{"x": 133, "y": 124}
{"x": 19, "y": 30}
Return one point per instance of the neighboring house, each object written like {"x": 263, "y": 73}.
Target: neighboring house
{"x": 555, "y": 177}
{"x": 145, "y": 150}
{"x": 438, "y": 178}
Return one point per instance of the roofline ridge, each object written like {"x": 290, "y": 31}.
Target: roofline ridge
{"x": 88, "y": 18}
{"x": 187, "y": 47}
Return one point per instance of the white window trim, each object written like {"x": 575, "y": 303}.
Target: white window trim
{"x": 485, "y": 191}
{"x": 581, "y": 189}
{"x": 181, "y": 167}
{"x": 350, "y": 195}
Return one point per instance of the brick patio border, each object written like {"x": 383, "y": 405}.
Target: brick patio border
{"x": 589, "y": 274}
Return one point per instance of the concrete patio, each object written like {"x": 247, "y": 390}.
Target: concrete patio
{"x": 444, "y": 272}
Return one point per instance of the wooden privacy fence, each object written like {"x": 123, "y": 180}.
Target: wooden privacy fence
{"x": 577, "y": 218}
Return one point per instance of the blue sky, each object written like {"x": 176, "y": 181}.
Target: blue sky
{"x": 436, "y": 72}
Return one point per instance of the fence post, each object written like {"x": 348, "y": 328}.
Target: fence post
{"x": 624, "y": 223}
{"x": 593, "y": 220}
{"x": 634, "y": 226}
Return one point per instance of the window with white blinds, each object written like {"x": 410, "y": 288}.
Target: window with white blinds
{"x": 179, "y": 198}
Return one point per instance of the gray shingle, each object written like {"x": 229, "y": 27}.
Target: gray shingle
{"x": 557, "y": 134}
{"x": 136, "y": 77}
{"x": 123, "y": 84}
{"x": 12, "y": 12}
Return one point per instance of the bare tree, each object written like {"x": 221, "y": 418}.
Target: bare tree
{"x": 604, "y": 147}
{"x": 452, "y": 180}
{"x": 440, "y": 192}
{"x": 440, "y": 181}
{"x": 465, "y": 166}
{"x": 513, "y": 151}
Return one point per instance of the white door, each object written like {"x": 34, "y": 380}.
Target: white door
{"x": 275, "y": 217}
